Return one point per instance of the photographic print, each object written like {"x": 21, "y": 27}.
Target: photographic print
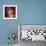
{"x": 32, "y": 32}
{"x": 9, "y": 11}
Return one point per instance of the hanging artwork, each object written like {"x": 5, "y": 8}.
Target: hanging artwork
{"x": 9, "y": 11}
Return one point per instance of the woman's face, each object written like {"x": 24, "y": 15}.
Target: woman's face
{"x": 10, "y": 11}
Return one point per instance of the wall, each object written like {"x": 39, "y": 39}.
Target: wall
{"x": 7, "y": 26}
{"x": 34, "y": 12}
{"x": 29, "y": 12}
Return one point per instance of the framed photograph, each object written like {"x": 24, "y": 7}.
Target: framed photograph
{"x": 9, "y": 11}
{"x": 33, "y": 32}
